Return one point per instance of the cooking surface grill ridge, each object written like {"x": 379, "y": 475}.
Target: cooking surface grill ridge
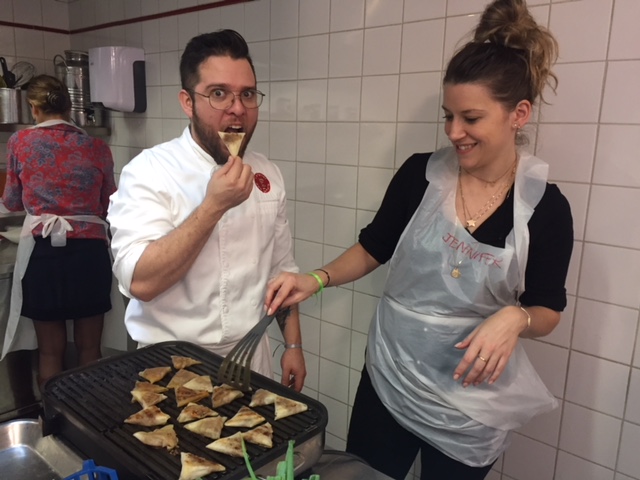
{"x": 87, "y": 406}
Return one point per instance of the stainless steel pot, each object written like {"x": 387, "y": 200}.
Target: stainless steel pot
{"x": 73, "y": 71}
{"x": 14, "y": 107}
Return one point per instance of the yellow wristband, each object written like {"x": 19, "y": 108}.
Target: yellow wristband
{"x": 317, "y": 277}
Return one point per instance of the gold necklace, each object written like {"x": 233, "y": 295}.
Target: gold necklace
{"x": 469, "y": 220}
{"x": 492, "y": 182}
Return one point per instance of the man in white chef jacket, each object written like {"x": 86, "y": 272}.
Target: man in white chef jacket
{"x": 198, "y": 232}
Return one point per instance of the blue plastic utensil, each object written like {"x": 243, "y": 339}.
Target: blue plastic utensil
{"x": 91, "y": 472}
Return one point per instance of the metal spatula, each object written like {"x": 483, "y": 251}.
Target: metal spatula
{"x": 236, "y": 366}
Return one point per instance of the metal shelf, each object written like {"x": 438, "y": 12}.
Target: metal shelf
{"x": 93, "y": 131}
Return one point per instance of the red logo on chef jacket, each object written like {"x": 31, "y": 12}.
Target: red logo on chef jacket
{"x": 262, "y": 182}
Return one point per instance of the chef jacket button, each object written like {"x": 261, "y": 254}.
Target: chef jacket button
{"x": 225, "y": 309}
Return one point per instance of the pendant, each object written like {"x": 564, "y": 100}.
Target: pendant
{"x": 455, "y": 273}
{"x": 471, "y": 223}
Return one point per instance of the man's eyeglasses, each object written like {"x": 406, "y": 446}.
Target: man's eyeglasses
{"x": 222, "y": 99}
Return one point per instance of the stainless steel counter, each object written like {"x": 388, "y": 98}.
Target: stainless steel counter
{"x": 26, "y": 454}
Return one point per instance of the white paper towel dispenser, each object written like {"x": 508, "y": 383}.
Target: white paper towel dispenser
{"x": 117, "y": 78}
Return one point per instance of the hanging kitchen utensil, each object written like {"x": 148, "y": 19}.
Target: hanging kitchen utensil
{"x": 24, "y": 72}
{"x": 9, "y": 77}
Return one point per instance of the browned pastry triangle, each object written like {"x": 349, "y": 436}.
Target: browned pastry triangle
{"x": 262, "y": 435}
{"x": 224, "y": 394}
{"x": 233, "y": 141}
{"x": 148, "y": 417}
{"x": 228, "y": 445}
{"x": 245, "y": 418}
{"x": 210, "y": 427}
{"x": 180, "y": 378}
{"x": 154, "y": 374}
{"x": 195, "y": 411}
{"x": 180, "y": 362}
{"x": 285, "y": 407}
{"x": 164, "y": 437}
{"x": 194, "y": 467}
{"x": 185, "y": 395}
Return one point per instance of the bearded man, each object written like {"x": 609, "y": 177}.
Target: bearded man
{"x": 198, "y": 230}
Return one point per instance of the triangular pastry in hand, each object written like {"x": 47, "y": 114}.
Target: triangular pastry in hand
{"x": 233, "y": 141}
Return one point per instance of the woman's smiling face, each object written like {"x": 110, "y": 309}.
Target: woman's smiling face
{"x": 479, "y": 127}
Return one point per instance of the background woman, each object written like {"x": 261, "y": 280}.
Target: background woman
{"x": 63, "y": 178}
{"x": 479, "y": 247}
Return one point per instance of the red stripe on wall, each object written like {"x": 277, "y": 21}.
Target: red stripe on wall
{"x": 127, "y": 21}
{"x": 34, "y": 27}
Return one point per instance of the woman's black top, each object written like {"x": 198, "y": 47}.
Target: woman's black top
{"x": 550, "y": 231}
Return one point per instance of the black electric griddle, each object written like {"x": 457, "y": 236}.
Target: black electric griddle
{"x": 87, "y": 406}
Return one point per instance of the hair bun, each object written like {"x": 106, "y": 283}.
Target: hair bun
{"x": 57, "y": 100}
{"x": 507, "y": 23}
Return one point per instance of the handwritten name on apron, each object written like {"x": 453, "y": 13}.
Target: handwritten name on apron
{"x": 467, "y": 250}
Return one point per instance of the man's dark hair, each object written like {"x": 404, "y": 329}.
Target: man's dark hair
{"x": 221, "y": 43}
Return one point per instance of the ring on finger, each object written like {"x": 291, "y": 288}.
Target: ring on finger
{"x": 482, "y": 358}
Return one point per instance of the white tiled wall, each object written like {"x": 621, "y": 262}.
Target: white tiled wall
{"x": 353, "y": 89}
{"x": 28, "y": 45}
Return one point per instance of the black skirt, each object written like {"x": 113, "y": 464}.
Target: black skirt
{"x": 69, "y": 282}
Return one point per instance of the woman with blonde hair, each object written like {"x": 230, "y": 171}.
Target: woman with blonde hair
{"x": 479, "y": 245}
{"x": 62, "y": 178}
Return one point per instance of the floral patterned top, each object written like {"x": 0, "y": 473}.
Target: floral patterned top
{"x": 61, "y": 170}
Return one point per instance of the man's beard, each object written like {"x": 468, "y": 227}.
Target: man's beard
{"x": 211, "y": 142}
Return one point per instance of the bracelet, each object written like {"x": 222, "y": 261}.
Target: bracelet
{"x": 327, "y": 274}
{"x": 317, "y": 277}
{"x": 528, "y": 319}
{"x": 287, "y": 346}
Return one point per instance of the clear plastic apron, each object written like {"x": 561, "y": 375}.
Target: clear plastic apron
{"x": 425, "y": 311}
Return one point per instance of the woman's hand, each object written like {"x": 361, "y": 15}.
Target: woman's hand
{"x": 288, "y": 289}
{"x": 490, "y": 346}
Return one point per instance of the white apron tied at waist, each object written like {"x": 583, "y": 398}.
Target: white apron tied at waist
{"x": 20, "y": 334}
{"x": 57, "y": 227}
